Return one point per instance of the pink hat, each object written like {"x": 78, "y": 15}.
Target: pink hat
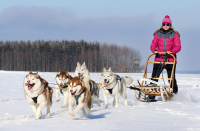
{"x": 167, "y": 20}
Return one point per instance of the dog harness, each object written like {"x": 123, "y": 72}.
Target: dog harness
{"x": 117, "y": 78}
{"x": 66, "y": 86}
{"x": 35, "y": 98}
{"x": 77, "y": 96}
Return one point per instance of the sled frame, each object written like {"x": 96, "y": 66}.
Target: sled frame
{"x": 165, "y": 92}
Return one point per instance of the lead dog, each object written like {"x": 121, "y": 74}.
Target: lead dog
{"x": 83, "y": 73}
{"x": 80, "y": 95}
{"x": 113, "y": 84}
{"x": 62, "y": 79}
{"x": 38, "y": 94}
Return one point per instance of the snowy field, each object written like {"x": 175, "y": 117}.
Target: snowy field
{"x": 181, "y": 113}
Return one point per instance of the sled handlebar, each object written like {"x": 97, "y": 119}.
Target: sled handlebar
{"x": 164, "y": 53}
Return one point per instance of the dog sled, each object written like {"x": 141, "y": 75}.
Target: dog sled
{"x": 146, "y": 88}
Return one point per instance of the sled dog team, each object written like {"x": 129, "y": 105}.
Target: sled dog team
{"x": 79, "y": 90}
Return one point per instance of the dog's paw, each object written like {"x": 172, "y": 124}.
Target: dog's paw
{"x": 37, "y": 118}
{"x": 126, "y": 104}
{"x": 57, "y": 100}
{"x": 73, "y": 114}
{"x": 99, "y": 105}
{"x": 47, "y": 117}
{"x": 62, "y": 106}
{"x": 116, "y": 105}
{"x": 106, "y": 106}
{"x": 70, "y": 113}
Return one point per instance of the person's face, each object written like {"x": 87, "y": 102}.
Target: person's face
{"x": 166, "y": 26}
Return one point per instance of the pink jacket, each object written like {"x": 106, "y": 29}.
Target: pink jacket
{"x": 164, "y": 41}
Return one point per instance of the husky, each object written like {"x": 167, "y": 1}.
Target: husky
{"x": 38, "y": 94}
{"x": 114, "y": 84}
{"x": 80, "y": 95}
{"x": 62, "y": 79}
{"x": 83, "y": 73}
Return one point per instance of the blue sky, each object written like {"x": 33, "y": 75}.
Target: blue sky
{"x": 122, "y": 22}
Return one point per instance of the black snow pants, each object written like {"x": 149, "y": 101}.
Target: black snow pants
{"x": 169, "y": 71}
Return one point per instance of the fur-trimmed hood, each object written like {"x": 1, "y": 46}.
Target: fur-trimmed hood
{"x": 160, "y": 29}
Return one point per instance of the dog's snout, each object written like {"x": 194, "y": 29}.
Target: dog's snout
{"x": 28, "y": 81}
{"x": 79, "y": 74}
{"x": 105, "y": 80}
{"x": 71, "y": 90}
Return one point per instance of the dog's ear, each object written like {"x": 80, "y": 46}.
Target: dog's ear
{"x": 30, "y": 72}
{"x": 70, "y": 77}
{"x": 111, "y": 73}
{"x": 78, "y": 64}
{"x": 66, "y": 72}
{"x": 83, "y": 63}
{"x": 37, "y": 73}
{"x": 109, "y": 69}
{"x": 104, "y": 69}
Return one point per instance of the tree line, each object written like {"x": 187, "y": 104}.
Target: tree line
{"x": 53, "y": 56}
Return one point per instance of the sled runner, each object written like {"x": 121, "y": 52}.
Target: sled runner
{"x": 144, "y": 89}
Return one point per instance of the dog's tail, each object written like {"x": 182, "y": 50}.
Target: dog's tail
{"x": 49, "y": 94}
{"x": 128, "y": 80}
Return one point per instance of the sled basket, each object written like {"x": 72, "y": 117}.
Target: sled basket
{"x": 142, "y": 90}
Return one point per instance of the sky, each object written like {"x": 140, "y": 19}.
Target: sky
{"x": 126, "y": 23}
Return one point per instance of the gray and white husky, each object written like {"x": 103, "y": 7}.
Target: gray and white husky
{"x": 83, "y": 73}
{"x": 114, "y": 84}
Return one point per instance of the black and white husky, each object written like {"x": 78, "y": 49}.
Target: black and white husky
{"x": 114, "y": 84}
{"x": 83, "y": 73}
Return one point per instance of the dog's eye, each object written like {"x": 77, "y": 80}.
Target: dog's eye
{"x": 27, "y": 78}
{"x": 32, "y": 79}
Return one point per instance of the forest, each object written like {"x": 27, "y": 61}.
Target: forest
{"x": 53, "y": 56}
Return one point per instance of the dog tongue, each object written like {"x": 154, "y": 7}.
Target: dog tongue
{"x": 105, "y": 83}
{"x": 29, "y": 86}
{"x": 74, "y": 92}
{"x": 61, "y": 86}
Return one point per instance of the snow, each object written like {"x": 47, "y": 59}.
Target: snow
{"x": 180, "y": 113}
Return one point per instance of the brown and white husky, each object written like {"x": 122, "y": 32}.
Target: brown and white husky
{"x": 80, "y": 95}
{"x": 38, "y": 94}
{"x": 93, "y": 87}
{"x": 62, "y": 79}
